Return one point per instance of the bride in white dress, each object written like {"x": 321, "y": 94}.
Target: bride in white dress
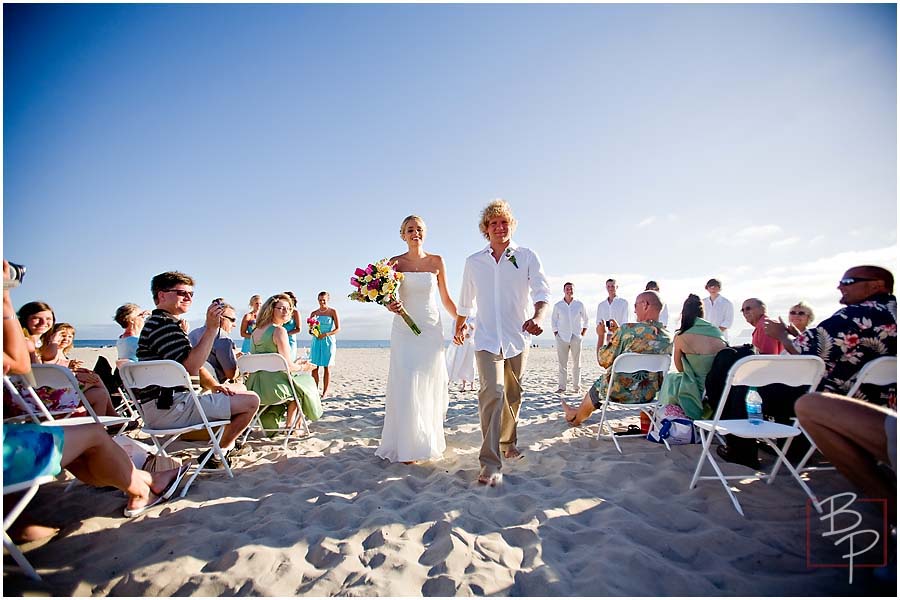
{"x": 417, "y": 397}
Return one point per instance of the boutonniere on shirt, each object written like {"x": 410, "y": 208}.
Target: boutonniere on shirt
{"x": 511, "y": 257}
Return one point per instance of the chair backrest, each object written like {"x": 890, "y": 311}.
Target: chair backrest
{"x": 164, "y": 373}
{"x": 629, "y": 362}
{"x": 58, "y": 377}
{"x": 760, "y": 370}
{"x": 269, "y": 361}
{"x": 881, "y": 371}
{"x": 23, "y": 401}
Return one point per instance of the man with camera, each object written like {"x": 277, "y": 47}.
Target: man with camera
{"x": 612, "y": 308}
{"x": 647, "y": 336}
{"x": 222, "y": 361}
{"x": 163, "y": 339}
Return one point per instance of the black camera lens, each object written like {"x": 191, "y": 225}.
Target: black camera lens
{"x": 16, "y": 275}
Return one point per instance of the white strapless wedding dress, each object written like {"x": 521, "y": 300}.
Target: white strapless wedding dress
{"x": 417, "y": 396}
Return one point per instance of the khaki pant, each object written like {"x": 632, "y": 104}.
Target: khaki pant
{"x": 563, "y": 349}
{"x": 499, "y": 398}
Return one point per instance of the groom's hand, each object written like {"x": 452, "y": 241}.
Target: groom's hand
{"x": 460, "y": 335}
{"x": 532, "y": 327}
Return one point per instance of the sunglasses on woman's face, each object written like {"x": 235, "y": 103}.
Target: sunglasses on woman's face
{"x": 798, "y": 312}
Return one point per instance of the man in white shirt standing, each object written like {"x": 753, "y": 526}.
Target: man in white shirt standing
{"x": 613, "y": 308}
{"x": 652, "y": 286}
{"x": 717, "y": 309}
{"x": 497, "y": 280}
{"x": 569, "y": 322}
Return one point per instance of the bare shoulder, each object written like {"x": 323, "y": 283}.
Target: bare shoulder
{"x": 399, "y": 257}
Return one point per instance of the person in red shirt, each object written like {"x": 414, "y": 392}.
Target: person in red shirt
{"x": 754, "y": 310}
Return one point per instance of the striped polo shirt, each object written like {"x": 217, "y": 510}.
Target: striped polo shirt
{"x": 161, "y": 339}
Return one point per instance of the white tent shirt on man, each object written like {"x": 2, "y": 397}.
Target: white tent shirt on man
{"x": 568, "y": 319}
{"x": 500, "y": 291}
{"x": 720, "y": 313}
{"x": 618, "y": 310}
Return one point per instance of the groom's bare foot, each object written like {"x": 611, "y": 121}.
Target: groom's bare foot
{"x": 491, "y": 479}
{"x": 512, "y": 453}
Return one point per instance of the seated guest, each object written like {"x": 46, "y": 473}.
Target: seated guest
{"x": 131, "y": 317}
{"x": 754, "y": 311}
{"x": 221, "y": 360}
{"x": 865, "y": 329}
{"x": 36, "y": 318}
{"x": 56, "y": 343}
{"x": 31, "y": 451}
{"x": 164, "y": 339}
{"x": 274, "y": 388}
{"x": 855, "y": 436}
{"x": 647, "y": 336}
{"x": 800, "y": 316}
{"x": 696, "y": 344}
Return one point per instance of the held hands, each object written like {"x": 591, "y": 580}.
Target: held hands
{"x": 460, "y": 334}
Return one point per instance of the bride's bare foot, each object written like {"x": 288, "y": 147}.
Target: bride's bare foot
{"x": 491, "y": 479}
{"x": 512, "y": 453}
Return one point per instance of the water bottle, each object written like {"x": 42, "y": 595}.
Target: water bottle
{"x": 754, "y": 406}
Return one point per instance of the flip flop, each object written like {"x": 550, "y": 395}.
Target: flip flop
{"x": 182, "y": 471}
{"x": 135, "y": 512}
{"x": 632, "y": 430}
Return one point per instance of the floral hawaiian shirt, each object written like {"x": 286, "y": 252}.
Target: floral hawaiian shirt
{"x": 850, "y": 338}
{"x": 646, "y": 337}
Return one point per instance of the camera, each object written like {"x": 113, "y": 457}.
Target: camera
{"x": 609, "y": 323}
{"x": 16, "y": 275}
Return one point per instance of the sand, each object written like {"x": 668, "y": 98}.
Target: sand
{"x": 326, "y": 517}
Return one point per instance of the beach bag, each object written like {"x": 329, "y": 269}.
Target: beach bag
{"x": 674, "y": 431}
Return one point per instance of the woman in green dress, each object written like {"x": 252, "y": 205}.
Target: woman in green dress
{"x": 697, "y": 342}
{"x": 273, "y": 388}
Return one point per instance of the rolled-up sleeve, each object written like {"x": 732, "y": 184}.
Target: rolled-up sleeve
{"x": 466, "y": 303}
{"x": 540, "y": 287}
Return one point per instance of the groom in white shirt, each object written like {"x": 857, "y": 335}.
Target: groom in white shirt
{"x": 497, "y": 280}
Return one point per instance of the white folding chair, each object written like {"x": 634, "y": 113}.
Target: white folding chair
{"x": 881, "y": 371}
{"x": 31, "y": 410}
{"x": 272, "y": 362}
{"x": 756, "y": 371}
{"x": 30, "y": 488}
{"x": 59, "y": 377}
{"x": 171, "y": 374}
{"x": 631, "y": 362}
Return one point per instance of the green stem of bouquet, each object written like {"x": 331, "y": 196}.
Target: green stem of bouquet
{"x": 410, "y": 322}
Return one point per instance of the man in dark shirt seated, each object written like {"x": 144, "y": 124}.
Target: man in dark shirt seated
{"x": 164, "y": 339}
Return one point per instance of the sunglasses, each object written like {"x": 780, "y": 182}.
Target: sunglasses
{"x": 747, "y": 308}
{"x": 852, "y": 280}
{"x": 232, "y": 319}
{"x": 182, "y": 293}
{"x": 798, "y": 312}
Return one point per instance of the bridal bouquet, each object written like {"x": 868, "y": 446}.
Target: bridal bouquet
{"x": 379, "y": 283}
{"x": 314, "y": 330}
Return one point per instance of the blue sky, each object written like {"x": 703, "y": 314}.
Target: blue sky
{"x": 280, "y": 146}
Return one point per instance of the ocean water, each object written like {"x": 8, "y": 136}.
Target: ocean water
{"x": 342, "y": 343}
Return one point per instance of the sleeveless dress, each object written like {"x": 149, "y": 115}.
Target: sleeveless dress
{"x": 275, "y": 387}
{"x": 247, "y": 344}
{"x": 322, "y": 352}
{"x": 292, "y": 343}
{"x": 686, "y": 389}
{"x": 417, "y": 398}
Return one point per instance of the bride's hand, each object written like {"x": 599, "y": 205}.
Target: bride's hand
{"x": 395, "y": 306}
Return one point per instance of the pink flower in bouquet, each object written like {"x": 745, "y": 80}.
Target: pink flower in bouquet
{"x": 359, "y": 272}
{"x": 354, "y": 282}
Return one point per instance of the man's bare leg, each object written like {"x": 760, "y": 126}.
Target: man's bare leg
{"x": 577, "y": 416}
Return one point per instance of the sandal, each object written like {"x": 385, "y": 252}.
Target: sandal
{"x": 632, "y": 430}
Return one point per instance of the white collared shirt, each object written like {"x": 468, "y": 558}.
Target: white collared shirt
{"x": 568, "y": 319}
{"x": 500, "y": 290}
{"x": 618, "y": 310}
{"x": 720, "y": 313}
{"x": 664, "y": 315}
